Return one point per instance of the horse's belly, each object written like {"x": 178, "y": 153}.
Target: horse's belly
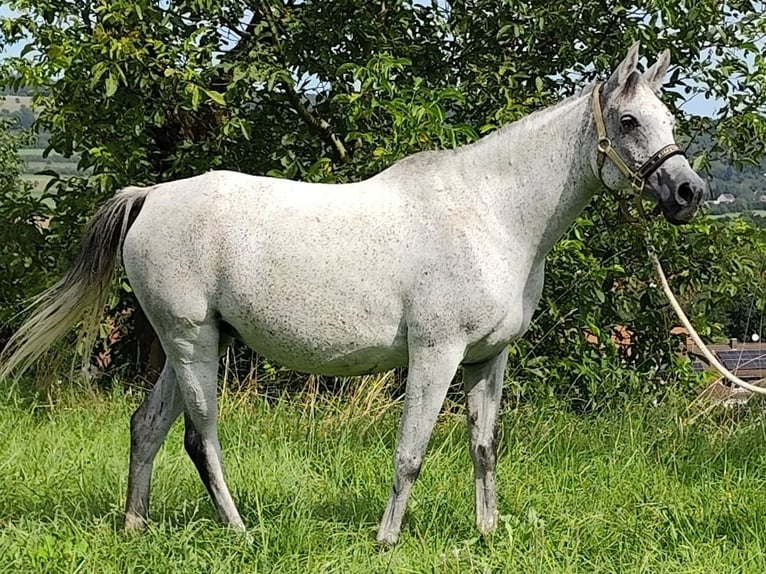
{"x": 340, "y": 357}
{"x": 324, "y": 339}
{"x": 344, "y": 361}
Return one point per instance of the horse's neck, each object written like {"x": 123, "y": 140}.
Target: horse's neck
{"x": 538, "y": 172}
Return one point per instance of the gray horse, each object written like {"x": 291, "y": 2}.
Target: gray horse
{"x": 435, "y": 263}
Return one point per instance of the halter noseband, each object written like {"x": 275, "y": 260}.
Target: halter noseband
{"x": 638, "y": 178}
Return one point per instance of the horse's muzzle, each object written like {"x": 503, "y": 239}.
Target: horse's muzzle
{"x": 682, "y": 203}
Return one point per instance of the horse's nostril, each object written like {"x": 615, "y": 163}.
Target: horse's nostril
{"x": 685, "y": 193}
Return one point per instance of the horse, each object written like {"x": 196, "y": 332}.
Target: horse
{"x": 435, "y": 263}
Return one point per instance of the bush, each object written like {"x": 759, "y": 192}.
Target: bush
{"x": 602, "y": 330}
{"x": 26, "y": 260}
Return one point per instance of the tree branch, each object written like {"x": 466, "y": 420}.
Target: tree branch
{"x": 320, "y": 126}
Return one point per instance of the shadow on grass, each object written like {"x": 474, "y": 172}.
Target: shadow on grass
{"x": 354, "y": 509}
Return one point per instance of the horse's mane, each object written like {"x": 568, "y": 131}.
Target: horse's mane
{"x": 532, "y": 116}
{"x": 521, "y": 122}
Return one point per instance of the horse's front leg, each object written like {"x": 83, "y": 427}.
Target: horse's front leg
{"x": 429, "y": 375}
{"x": 483, "y": 383}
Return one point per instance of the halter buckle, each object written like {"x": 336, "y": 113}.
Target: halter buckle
{"x": 638, "y": 184}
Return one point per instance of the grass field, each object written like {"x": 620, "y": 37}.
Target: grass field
{"x": 628, "y": 491}
{"x": 35, "y": 163}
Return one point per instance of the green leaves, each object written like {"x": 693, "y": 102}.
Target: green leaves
{"x": 603, "y": 327}
{"x": 26, "y": 259}
{"x": 147, "y": 91}
{"x": 111, "y": 84}
{"x": 396, "y": 113}
{"x": 217, "y": 97}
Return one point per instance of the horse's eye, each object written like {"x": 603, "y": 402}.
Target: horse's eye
{"x": 628, "y": 123}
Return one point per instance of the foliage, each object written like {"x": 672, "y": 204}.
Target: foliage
{"x": 146, "y": 91}
{"x": 26, "y": 261}
{"x": 149, "y": 91}
{"x": 599, "y": 285}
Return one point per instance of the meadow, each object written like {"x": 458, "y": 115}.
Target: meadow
{"x": 10, "y": 103}
{"x": 639, "y": 488}
{"x": 34, "y": 164}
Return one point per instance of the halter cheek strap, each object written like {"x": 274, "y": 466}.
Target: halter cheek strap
{"x": 637, "y": 178}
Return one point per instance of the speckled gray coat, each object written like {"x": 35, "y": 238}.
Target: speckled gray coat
{"x": 436, "y": 262}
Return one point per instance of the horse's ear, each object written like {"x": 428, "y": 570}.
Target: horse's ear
{"x": 653, "y": 76}
{"x": 619, "y": 77}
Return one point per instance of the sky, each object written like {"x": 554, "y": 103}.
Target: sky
{"x": 701, "y": 106}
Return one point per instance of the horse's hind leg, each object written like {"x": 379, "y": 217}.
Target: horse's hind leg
{"x": 149, "y": 426}
{"x": 483, "y": 387}
{"x": 192, "y": 438}
{"x": 429, "y": 375}
{"x": 196, "y": 364}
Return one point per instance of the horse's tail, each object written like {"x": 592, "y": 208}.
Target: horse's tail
{"x": 84, "y": 289}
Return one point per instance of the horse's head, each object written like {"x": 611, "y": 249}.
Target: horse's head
{"x": 639, "y": 128}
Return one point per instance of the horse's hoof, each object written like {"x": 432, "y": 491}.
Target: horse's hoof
{"x": 487, "y": 526}
{"x": 134, "y": 523}
{"x": 387, "y": 539}
{"x": 237, "y": 527}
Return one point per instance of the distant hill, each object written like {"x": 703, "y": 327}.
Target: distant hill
{"x": 733, "y": 189}
{"x": 746, "y": 184}
{"x": 18, "y": 109}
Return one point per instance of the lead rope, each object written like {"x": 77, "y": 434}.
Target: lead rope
{"x": 687, "y": 324}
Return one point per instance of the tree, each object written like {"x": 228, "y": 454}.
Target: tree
{"x": 25, "y": 261}
{"x": 336, "y": 90}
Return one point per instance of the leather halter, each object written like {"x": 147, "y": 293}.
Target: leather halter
{"x": 637, "y": 178}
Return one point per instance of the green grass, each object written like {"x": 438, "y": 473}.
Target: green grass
{"x": 632, "y": 490}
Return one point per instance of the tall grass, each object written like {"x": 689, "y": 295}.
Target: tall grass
{"x": 633, "y": 490}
